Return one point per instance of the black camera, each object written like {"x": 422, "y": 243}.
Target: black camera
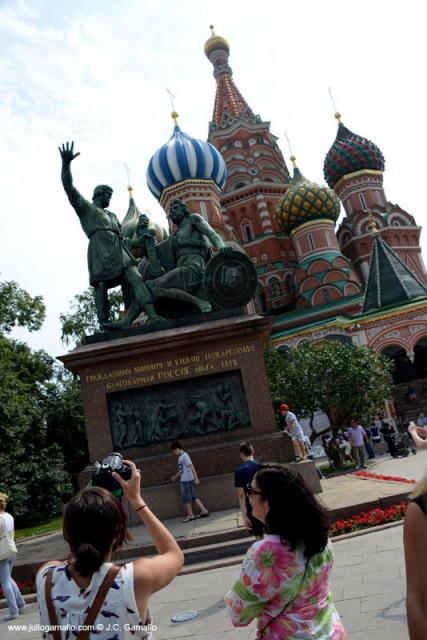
{"x": 102, "y": 476}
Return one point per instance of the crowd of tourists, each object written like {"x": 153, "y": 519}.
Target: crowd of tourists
{"x": 284, "y": 581}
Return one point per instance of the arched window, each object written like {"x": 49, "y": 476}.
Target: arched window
{"x": 247, "y": 233}
{"x": 379, "y": 197}
{"x": 276, "y": 290}
{"x": 363, "y": 202}
{"x": 203, "y": 210}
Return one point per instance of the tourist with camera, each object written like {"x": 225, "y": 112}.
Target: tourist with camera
{"x": 88, "y": 590}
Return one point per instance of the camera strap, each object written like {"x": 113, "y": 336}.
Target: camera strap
{"x": 93, "y": 611}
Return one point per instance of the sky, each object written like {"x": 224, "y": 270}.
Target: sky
{"x": 97, "y": 72}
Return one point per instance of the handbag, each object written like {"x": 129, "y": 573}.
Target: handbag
{"x": 7, "y": 543}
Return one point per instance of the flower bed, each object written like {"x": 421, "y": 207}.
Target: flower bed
{"x": 379, "y": 476}
{"x": 370, "y": 518}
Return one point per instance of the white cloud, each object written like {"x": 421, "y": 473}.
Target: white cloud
{"x": 98, "y": 73}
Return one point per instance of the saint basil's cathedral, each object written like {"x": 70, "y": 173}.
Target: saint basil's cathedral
{"x": 363, "y": 283}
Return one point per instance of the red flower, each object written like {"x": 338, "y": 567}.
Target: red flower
{"x": 379, "y": 476}
{"x": 370, "y": 519}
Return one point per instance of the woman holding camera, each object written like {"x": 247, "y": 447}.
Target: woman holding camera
{"x": 88, "y": 590}
{"x": 284, "y": 580}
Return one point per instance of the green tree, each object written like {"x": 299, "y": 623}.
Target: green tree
{"x": 346, "y": 382}
{"x": 31, "y": 464}
{"x": 81, "y": 318}
{"x": 32, "y": 470}
{"x": 19, "y": 309}
{"x": 65, "y": 423}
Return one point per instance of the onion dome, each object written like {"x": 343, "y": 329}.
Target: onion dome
{"x": 305, "y": 201}
{"x": 215, "y": 42}
{"x": 184, "y": 158}
{"x": 350, "y": 153}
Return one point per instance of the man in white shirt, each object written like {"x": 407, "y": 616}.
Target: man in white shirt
{"x": 188, "y": 478}
{"x": 291, "y": 424}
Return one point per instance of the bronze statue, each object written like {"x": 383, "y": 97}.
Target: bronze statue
{"x": 110, "y": 261}
{"x": 184, "y": 256}
{"x": 174, "y": 277}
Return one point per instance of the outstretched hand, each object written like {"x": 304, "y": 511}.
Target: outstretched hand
{"x": 131, "y": 487}
{"x": 67, "y": 152}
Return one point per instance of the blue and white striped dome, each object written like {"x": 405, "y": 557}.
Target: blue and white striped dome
{"x": 183, "y": 158}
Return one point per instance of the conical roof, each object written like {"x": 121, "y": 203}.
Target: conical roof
{"x": 390, "y": 281}
{"x": 350, "y": 153}
{"x": 230, "y": 105}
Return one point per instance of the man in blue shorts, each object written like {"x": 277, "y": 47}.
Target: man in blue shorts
{"x": 188, "y": 477}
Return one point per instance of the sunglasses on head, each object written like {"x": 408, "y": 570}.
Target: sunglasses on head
{"x": 250, "y": 491}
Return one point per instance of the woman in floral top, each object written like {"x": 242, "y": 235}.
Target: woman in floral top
{"x": 284, "y": 581}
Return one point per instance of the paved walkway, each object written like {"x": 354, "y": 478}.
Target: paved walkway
{"x": 368, "y": 585}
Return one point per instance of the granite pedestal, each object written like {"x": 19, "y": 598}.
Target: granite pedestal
{"x": 190, "y": 367}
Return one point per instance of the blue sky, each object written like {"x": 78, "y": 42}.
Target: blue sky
{"x": 97, "y": 72}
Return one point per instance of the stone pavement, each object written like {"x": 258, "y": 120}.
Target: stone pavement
{"x": 368, "y": 585}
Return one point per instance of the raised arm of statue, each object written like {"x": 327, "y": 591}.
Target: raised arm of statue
{"x": 67, "y": 156}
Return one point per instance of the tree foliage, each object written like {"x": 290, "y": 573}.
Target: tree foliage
{"x": 32, "y": 470}
{"x": 81, "y": 318}
{"x": 65, "y": 423}
{"x": 19, "y": 309}
{"x": 41, "y": 420}
{"x": 346, "y": 382}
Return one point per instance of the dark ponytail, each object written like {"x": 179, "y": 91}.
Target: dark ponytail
{"x": 94, "y": 523}
{"x": 86, "y": 559}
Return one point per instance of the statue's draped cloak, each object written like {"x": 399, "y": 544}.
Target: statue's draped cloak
{"x": 107, "y": 254}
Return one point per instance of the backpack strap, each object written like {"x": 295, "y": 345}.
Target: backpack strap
{"x": 53, "y": 619}
{"x": 97, "y": 603}
{"x": 93, "y": 611}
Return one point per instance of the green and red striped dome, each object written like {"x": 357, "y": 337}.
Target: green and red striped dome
{"x": 349, "y": 153}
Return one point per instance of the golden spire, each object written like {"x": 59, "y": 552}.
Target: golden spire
{"x": 337, "y": 115}
{"x": 174, "y": 116}
{"x": 215, "y": 42}
{"x": 130, "y": 189}
{"x": 374, "y": 228}
{"x": 291, "y": 157}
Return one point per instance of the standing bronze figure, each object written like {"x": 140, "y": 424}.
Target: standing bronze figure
{"x": 110, "y": 262}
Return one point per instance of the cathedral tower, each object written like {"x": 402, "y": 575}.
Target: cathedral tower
{"x": 308, "y": 213}
{"x": 256, "y": 178}
{"x": 354, "y": 168}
